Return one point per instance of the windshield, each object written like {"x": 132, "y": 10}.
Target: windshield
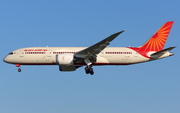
{"x": 10, "y": 53}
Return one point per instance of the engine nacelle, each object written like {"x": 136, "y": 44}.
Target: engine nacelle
{"x": 65, "y": 59}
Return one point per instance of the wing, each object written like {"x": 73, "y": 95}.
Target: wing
{"x": 95, "y": 49}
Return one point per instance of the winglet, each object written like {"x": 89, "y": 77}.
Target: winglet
{"x": 113, "y": 36}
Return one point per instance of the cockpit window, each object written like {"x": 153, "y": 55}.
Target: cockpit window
{"x": 10, "y": 53}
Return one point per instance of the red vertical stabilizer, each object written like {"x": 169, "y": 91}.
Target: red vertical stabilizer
{"x": 157, "y": 41}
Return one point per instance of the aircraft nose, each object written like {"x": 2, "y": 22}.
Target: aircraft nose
{"x": 5, "y": 59}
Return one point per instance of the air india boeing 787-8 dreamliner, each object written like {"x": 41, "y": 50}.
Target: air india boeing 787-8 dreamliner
{"x": 71, "y": 58}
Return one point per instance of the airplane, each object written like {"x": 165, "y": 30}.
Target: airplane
{"x": 71, "y": 58}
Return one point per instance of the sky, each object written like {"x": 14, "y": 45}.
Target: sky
{"x": 151, "y": 87}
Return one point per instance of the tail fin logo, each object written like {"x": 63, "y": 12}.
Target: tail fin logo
{"x": 158, "y": 40}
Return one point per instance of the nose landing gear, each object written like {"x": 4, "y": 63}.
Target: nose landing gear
{"x": 19, "y": 69}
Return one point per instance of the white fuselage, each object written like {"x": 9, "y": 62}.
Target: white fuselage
{"x": 71, "y": 58}
{"x": 47, "y": 56}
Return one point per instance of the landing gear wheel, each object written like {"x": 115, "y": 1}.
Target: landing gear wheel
{"x": 92, "y": 72}
{"x": 89, "y": 70}
{"x": 19, "y": 69}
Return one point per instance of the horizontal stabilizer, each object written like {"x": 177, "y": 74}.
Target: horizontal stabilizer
{"x": 161, "y": 53}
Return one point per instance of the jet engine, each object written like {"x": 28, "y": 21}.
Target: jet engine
{"x": 65, "y": 59}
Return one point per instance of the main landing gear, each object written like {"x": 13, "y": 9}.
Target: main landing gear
{"x": 88, "y": 69}
{"x": 19, "y": 69}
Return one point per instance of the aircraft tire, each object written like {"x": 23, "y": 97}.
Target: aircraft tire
{"x": 91, "y": 71}
{"x": 19, "y": 69}
{"x": 87, "y": 70}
